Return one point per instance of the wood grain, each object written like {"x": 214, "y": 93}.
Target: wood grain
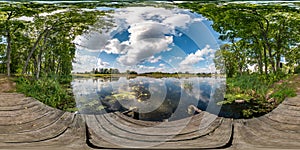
{"x": 26, "y": 123}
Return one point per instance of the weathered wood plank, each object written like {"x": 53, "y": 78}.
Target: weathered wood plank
{"x": 27, "y": 123}
{"x": 107, "y": 129}
{"x": 280, "y": 129}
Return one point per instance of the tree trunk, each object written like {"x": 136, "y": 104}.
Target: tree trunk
{"x": 260, "y": 57}
{"x": 265, "y": 60}
{"x": 37, "y": 74}
{"x": 34, "y": 65}
{"x": 8, "y": 52}
{"x": 32, "y": 51}
{"x": 39, "y": 60}
{"x": 272, "y": 61}
{"x": 8, "y": 40}
{"x": 278, "y": 63}
{"x": 266, "y": 44}
{"x": 260, "y": 65}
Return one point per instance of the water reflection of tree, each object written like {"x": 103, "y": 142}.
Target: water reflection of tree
{"x": 217, "y": 95}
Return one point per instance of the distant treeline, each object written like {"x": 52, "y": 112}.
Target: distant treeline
{"x": 107, "y": 71}
{"x": 116, "y": 71}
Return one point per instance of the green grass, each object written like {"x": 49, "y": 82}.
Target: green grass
{"x": 260, "y": 93}
{"x": 52, "y": 91}
{"x": 284, "y": 91}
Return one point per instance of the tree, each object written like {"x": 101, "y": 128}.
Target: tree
{"x": 226, "y": 61}
{"x": 256, "y": 34}
{"x": 9, "y": 24}
{"x": 51, "y": 34}
{"x": 44, "y": 43}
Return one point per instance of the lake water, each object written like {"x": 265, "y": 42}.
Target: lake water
{"x": 153, "y": 99}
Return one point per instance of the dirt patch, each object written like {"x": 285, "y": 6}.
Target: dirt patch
{"x": 7, "y": 85}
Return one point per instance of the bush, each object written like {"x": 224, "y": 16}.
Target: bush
{"x": 283, "y": 92}
{"x": 47, "y": 90}
{"x": 297, "y": 70}
{"x": 255, "y": 90}
{"x": 247, "y": 83}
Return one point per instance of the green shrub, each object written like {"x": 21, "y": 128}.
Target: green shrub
{"x": 247, "y": 83}
{"x": 255, "y": 90}
{"x": 47, "y": 90}
{"x": 283, "y": 92}
{"x": 297, "y": 70}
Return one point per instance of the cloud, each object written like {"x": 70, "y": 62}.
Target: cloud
{"x": 160, "y": 68}
{"x": 84, "y": 62}
{"x": 146, "y": 39}
{"x": 150, "y": 31}
{"x": 102, "y": 64}
{"x": 115, "y": 47}
{"x": 153, "y": 59}
{"x": 178, "y": 20}
{"x": 199, "y": 19}
{"x": 92, "y": 41}
{"x": 199, "y": 55}
{"x": 161, "y": 65}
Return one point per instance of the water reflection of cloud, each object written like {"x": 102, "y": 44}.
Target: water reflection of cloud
{"x": 164, "y": 92}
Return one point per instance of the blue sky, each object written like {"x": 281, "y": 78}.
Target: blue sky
{"x": 149, "y": 39}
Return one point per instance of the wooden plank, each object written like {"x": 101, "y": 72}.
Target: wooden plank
{"x": 27, "y": 123}
{"x": 280, "y": 129}
{"x": 106, "y": 130}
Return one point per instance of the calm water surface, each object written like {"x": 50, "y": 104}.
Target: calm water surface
{"x": 150, "y": 98}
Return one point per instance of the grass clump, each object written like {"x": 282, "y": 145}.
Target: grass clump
{"x": 283, "y": 91}
{"x": 51, "y": 91}
{"x": 257, "y": 94}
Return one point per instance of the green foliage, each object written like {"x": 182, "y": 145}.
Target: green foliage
{"x": 248, "y": 83}
{"x": 47, "y": 90}
{"x": 255, "y": 34}
{"x": 283, "y": 92}
{"x": 297, "y": 69}
{"x": 257, "y": 94}
{"x": 45, "y": 44}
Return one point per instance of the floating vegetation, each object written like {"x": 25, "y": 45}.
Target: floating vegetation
{"x": 148, "y": 98}
{"x": 187, "y": 85}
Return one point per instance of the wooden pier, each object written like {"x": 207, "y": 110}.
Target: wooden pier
{"x": 26, "y": 123}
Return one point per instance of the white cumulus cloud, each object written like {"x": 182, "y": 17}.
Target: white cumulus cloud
{"x": 146, "y": 39}
{"x": 114, "y": 46}
{"x": 102, "y": 64}
{"x": 150, "y": 31}
{"x": 84, "y": 62}
{"x": 199, "y": 55}
{"x": 92, "y": 41}
{"x": 153, "y": 59}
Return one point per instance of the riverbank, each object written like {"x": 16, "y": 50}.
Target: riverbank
{"x": 54, "y": 91}
{"x": 152, "y": 75}
{"x": 256, "y": 95}
{"x": 57, "y": 93}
